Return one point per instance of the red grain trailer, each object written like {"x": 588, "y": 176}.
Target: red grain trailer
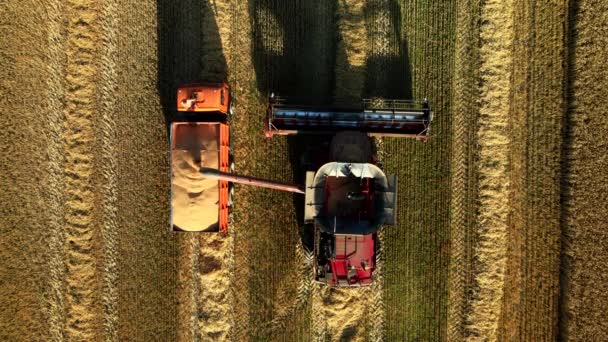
{"x": 200, "y": 137}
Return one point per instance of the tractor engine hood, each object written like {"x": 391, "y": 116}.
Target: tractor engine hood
{"x": 350, "y": 198}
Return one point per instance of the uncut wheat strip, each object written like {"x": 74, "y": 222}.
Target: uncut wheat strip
{"x": 585, "y": 191}
{"x": 423, "y": 26}
{"x": 399, "y": 306}
{"x": 79, "y": 144}
{"x": 463, "y": 109}
{"x": 108, "y": 165}
{"x": 496, "y": 41}
{"x": 279, "y": 283}
{"x": 256, "y": 205}
{"x": 289, "y": 305}
{"x": 55, "y": 300}
{"x": 148, "y": 253}
{"x": 419, "y": 47}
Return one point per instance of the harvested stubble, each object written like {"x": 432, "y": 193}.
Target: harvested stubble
{"x": 514, "y": 283}
{"x": 496, "y": 36}
{"x": 530, "y": 303}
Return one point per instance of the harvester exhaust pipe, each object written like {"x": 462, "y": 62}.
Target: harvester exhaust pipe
{"x": 264, "y": 183}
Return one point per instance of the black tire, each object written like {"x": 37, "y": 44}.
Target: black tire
{"x": 307, "y": 234}
{"x": 230, "y": 184}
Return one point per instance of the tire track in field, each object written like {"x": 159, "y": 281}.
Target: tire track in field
{"x": 81, "y": 292}
{"x": 108, "y": 166}
{"x": 490, "y": 251}
{"x": 304, "y": 260}
{"x": 464, "y": 126}
{"x": 55, "y": 300}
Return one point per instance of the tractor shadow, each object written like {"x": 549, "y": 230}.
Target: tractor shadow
{"x": 189, "y": 49}
{"x": 298, "y": 52}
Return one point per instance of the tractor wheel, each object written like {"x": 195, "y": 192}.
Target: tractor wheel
{"x": 230, "y": 194}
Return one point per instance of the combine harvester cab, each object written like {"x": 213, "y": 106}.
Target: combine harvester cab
{"x": 200, "y": 137}
{"x": 348, "y": 203}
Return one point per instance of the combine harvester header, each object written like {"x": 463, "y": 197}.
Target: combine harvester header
{"x": 397, "y": 118}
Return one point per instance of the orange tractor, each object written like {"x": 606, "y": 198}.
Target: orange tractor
{"x": 347, "y": 197}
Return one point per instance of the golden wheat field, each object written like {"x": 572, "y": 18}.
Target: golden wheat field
{"x": 502, "y": 230}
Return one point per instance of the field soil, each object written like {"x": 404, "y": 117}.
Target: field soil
{"x": 500, "y": 230}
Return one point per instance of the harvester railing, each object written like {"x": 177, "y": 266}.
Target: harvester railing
{"x": 373, "y": 116}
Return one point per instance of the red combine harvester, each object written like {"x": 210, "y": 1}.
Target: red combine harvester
{"x": 347, "y": 197}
